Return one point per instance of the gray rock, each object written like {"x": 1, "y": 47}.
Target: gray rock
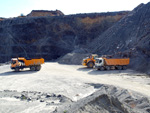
{"x": 109, "y": 99}
{"x": 73, "y": 58}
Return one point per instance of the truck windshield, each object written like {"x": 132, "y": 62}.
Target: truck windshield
{"x": 13, "y": 61}
{"x": 98, "y": 61}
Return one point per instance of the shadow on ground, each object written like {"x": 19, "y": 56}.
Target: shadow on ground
{"x": 93, "y": 71}
{"x": 98, "y": 72}
{"x": 95, "y": 85}
{"x": 84, "y": 69}
{"x": 17, "y": 73}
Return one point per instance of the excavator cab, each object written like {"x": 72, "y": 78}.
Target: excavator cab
{"x": 94, "y": 56}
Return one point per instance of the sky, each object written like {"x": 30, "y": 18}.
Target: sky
{"x": 14, "y": 8}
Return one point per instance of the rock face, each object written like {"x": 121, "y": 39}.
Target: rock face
{"x": 129, "y": 37}
{"x": 37, "y": 13}
{"x": 51, "y": 37}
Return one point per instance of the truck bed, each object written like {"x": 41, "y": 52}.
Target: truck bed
{"x": 117, "y": 61}
{"x": 32, "y": 61}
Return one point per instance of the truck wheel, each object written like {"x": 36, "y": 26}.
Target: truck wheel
{"x": 98, "y": 68}
{"x": 102, "y": 68}
{"x": 107, "y": 67}
{"x": 90, "y": 65}
{"x": 32, "y": 68}
{"x": 119, "y": 67}
{"x": 124, "y": 67}
{"x": 38, "y": 68}
{"x": 16, "y": 69}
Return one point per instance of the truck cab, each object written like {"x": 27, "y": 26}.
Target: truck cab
{"x": 14, "y": 63}
{"x": 99, "y": 63}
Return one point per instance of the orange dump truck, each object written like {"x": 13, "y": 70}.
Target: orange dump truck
{"x": 21, "y": 63}
{"x": 111, "y": 63}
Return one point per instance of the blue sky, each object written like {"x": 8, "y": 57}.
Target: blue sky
{"x": 13, "y": 8}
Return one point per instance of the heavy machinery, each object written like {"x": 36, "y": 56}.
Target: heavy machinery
{"x": 21, "y": 63}
{"x": 111, "y": 63}
{"x": 90, "y": 61}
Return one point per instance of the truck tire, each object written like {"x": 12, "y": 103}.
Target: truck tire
{"x": 124, "y": 67}
{"x": 107, "y": 67}
{"x": 90, "y": 64}
{"x": 102, "y": 68}
{"x": 119, "y": 67}
{"x": 32, "y": 68}
{"x": 17, "y": 69}
{"x": 38, "y": 67}
{"x": 98, "y": 68}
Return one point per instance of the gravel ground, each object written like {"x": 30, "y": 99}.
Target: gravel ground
{"x": 57, "y": 85}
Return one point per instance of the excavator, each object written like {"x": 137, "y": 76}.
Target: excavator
{"x": 90, "y": 61}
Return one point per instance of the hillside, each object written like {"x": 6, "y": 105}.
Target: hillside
{"x": 51, "y": 37}
{"x": 129, "y": 37}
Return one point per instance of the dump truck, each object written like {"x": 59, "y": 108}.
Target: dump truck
{"x": 21, "y": 63}
{"x": 111, "y": 63}
{"x": 89, "y": 61}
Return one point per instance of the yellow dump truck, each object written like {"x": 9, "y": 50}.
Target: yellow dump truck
{"x": 111, "y": 63}
{"x": 90, "y": 61}
{"x": 21, "y": 63}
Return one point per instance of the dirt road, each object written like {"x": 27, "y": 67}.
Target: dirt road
{"x": 72, "y": 81}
